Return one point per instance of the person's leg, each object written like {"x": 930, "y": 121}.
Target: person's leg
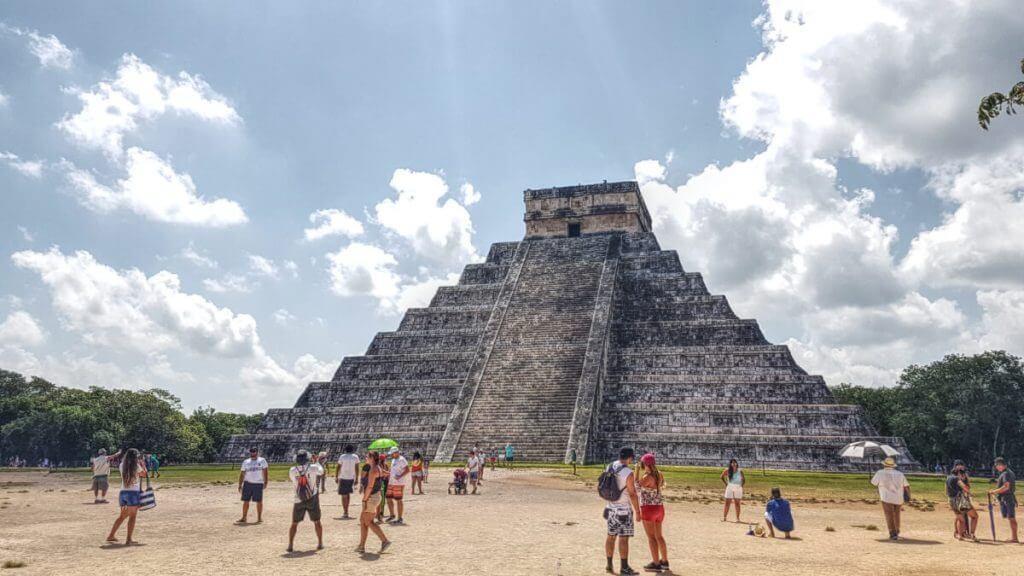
{"x": 245, "y": 511}
{"x": 771, "y": 529}
{"x": 973, "y": 514}
{"x": 365, "y": 520}
{"x": 1013, "y": 530}
{"x": 344, "y": 505}
{"x": 319, "y": 534}
{"x": 787, "y": 536}
{"x": 609, "y": 550}
{"x": 133, "y": 511}
{"x": 662, "y": 545}
{"x": 401, "y": 508}
{"x": 112, "y": 537}
{"x": 391, "y": 507}
{"x": 624, "y": 555}
{"x": 291, "y": 535}
{"x": 725, "y": 513}
{"x": 259, "y": 511}
{"x": 737, "y": 503}
{"x": 652, "y": 541}
{"x": 889, "y": 522}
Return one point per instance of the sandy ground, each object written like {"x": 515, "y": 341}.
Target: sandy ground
{"x": 522, "y": 522}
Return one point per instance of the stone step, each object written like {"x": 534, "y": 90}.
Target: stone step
{"x": 445, "y": 318}
{"x": 405, "y": 366}
{"x": 483, "y": 274}
{"x": 704, "y": 332}
{"x": 466, "y": 295}
{"x": 502, "y": 252}
{"x": 423, "y": 342}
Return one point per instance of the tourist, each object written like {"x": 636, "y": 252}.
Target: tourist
{"x": 346, "y": 476}
{"x": 483, "y": 464}
{"x": 373, "y": 482}
{"x": 305, "y": 477}
{"x": 958, "y": 491}
{"x": 473, "y": 465}
{"x": 509, "y": 455}
{"x": 132, "y": 470}
{"x": 1006, "y": 491}
{"x": 101, "y": 475}
{"x": 385, "y": 468}
{"x": 893, "y": 491}
{"x": 252, "y": 479}
{"x": 777, "y": 514}
{"x": 652, "y": 510}
{"x": 416, "y": 473}
{"x": 572, "y": 460}
{"x": 397, "y": 477}
{"x": 326, "y": 465}
{"x": 153, "y": 463}
{"x": 734, "y": 480}
{"x": 619, "y": 513}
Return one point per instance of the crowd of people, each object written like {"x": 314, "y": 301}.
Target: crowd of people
{"x": 632, "y": 489}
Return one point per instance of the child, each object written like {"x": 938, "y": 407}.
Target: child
{"x": 778, "y": 514}
{"x": 458, "y": 481}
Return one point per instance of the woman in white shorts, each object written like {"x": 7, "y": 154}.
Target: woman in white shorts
{"x": 733, "y": 479}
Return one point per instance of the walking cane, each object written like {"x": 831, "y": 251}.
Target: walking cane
{"x": 991, "y": 518}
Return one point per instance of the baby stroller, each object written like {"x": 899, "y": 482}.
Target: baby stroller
{"x": 458, "y": 482}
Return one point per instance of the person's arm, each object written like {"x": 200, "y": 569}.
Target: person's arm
{"x": 241, "y": 478}
{"x": 114, "y": 456}
{"x": 371, "y": 477}
{"x": 266, "y": 474}
{"x": 724, "y": 474}
{"x": 743, "y": 478}
{"x": 631, "y": 488}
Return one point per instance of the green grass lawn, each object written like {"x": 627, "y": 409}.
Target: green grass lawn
{"x": 689, "y": 481}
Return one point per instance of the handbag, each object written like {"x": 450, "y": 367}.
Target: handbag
{"x": 963, "y": 503}
{"x": 147, "y": 499}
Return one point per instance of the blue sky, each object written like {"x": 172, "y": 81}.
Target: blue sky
{"x": 224, "y": 200}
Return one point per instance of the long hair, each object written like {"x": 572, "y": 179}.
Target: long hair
{"x": 734, "y": 466}
{"x": 652, "y": 470}
{"x": 374, "y": 457}
{"x": 130, "y": 466}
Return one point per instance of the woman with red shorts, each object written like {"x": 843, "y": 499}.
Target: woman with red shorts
{"x": 649, "y": 482}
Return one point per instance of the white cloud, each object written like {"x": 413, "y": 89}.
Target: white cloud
{"x": 417, "y": 293}
{"x": 332, "y": 222}
{"x": 190, "y": 254}
{"x": 127, "y": 311}
{"x": 230, "y": 283}
{"x": 50, "y": 51}
{"x": 29, "y": 168}
{"x": 21, "y": 329}
{"x": 283, "y": 317}
{"x": 138, "y": 93}
{"x": 470, "y": 195}
{"x": 291, "y": 267}
{"x": 4, "y": 99}
{"x": 1002, "y": 320}
{"x": 26, "y": 235}
{"x": 438, "y": 229}
{"x": 262, "y": 266}
{"x": 154, "y": 190}
{"x": 363, "y": 269}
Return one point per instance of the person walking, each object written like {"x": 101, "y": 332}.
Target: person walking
{"x": 325, "y": 464}
{"x": 153, "y": 464}
{"x": 958, "y": 490}
{"x": 1006, "y": 491}
{"x": 398, "y": 475}
{"x": 893, "y": 491}
{"x": 252, "y": 479}
{"x": 373, "y": 482}
{"x": 510, "y": 454}
{"x": 132, "y": 471}
{"x": 734, "y": 480}
{"x": 473, "y": 465}
{"x": 778, "y": 514}
{"x": 619, "y": 513}
{"x": 572, "y": 460}
{"x": 101, "y": 474}
{"x": 305, "y": 477}
{"x": 346, "y": 476}
{"x": 416, "y": 472}
{"x": 652, "y": 511}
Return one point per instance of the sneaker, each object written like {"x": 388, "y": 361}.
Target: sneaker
{"x": 384, "y": 546}
{"x": 397, "y": 522}
{"x": 653, "y": 567}
{"x": 628, "y": 571}
{"x": 664, "y": 566}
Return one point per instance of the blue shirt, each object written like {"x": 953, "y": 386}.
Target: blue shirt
{"x": 780, "y": 514}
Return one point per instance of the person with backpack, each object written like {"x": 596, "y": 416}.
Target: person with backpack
{"x": 958, "y": 490}
{"x": 617, "y": 487}
{"x": 372, "y": 491}
{"x": 305, "y": 477}
{"x": 649, "y": 483}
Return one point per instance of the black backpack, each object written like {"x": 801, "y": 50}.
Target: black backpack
{"x": 608, "y": 484}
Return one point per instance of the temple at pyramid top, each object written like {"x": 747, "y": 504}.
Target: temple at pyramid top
{"x": 585, "y": 209}
{"x": 583, "y": 337}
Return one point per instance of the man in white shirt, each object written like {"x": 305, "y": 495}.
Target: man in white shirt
{"x": 252, "y": 479}
{"x": 397, "y": 477}
{"x": 347, "y": 476}
{"x": 893, "y": 489}
{"x": 305, "y": 476}
{"x": 620, "y": 513}
{"x": 101, "y": 475}
{"x": 473, "y": 465}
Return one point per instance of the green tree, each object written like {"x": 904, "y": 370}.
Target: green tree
{"x": 997, "y": 102}
{"x": 879, "y": 404}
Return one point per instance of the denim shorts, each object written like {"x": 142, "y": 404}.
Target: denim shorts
{"x": 129, "y": 497}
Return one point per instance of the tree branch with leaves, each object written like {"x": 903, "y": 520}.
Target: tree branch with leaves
{"x": 997, "y": 103}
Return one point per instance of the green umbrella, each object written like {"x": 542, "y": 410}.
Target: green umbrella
{"x": 383, "y": 444}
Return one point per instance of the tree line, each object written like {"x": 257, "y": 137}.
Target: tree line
{"x": 966, "y": 407}
{"x": 39, "y": 420}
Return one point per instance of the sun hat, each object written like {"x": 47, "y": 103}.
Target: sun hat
{"x": 647, "y": 459}
{"x": 889, "y": 463}
{"x": 393, "y": 450}
{"x": 102, "y": 451}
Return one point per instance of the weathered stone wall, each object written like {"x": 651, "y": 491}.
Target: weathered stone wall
{"x": 597, "y": 208}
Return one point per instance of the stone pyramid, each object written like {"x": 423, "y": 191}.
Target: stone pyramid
{"x": 583, "y": 335}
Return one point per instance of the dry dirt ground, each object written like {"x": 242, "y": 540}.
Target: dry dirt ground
{"x": 522, "y": 522}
